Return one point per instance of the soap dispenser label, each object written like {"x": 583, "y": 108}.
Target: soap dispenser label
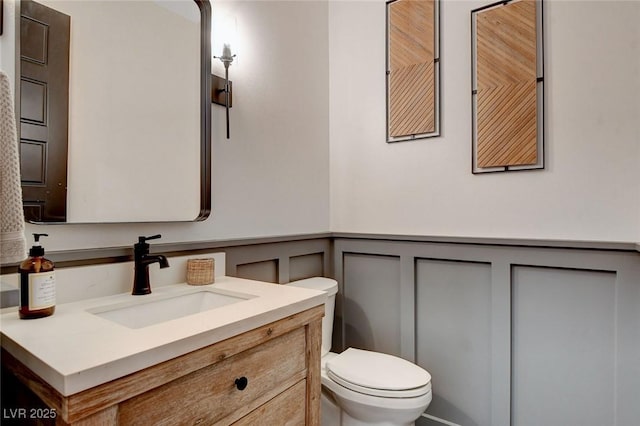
{"x": 42, "y": 290}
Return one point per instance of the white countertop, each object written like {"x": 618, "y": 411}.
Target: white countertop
{"x": 74, "y": 350}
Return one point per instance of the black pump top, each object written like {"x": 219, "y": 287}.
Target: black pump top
{"x": 37, "y": 250}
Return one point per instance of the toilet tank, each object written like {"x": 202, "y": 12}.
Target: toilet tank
{"x": 330, "y": 286}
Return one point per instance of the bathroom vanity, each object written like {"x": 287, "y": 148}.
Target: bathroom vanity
{"x": 94, "y": 362}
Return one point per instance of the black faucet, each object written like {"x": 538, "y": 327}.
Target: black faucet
{"x": 142, "y": 260}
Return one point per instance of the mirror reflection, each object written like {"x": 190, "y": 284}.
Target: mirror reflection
{"x": 137, "y": 128}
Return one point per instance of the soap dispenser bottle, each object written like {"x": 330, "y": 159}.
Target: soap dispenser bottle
{"x": 37, "y": 283}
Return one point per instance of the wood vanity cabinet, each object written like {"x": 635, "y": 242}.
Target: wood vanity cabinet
{"x": 267, "y": 376}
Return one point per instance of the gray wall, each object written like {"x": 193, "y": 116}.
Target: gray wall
{"x": 512, "y": 334}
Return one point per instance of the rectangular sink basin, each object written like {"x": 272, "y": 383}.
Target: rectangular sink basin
{"x": 143, "y": 313}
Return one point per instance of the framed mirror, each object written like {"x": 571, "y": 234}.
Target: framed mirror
{"x": 136, "y": 136}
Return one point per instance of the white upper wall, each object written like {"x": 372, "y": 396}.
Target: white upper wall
{"x": 272, "y": 176}
{"x": 307, "y": 132}
{"x": 590, "y": 189}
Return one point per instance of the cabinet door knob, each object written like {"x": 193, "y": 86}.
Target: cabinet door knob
{"x": 241, "y": 383}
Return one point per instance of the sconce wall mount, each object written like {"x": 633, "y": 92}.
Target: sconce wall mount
{"x": 218, "y": 92}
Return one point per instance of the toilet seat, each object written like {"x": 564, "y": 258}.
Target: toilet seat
{"x": 377, "y": 374}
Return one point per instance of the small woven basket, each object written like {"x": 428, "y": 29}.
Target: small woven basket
{"x": 200, "y": 271}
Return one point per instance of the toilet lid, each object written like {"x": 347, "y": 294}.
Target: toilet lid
{"x": 378, "y": 374}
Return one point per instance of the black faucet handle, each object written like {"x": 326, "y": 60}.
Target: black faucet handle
{"x": 143, "y": 240}
{"x": 141, "y": 248}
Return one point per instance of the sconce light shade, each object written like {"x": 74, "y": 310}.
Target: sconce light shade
{"x": 224, "y": 32}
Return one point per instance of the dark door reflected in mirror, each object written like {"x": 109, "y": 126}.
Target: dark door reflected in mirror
{"x": 132, "y": 143}
{"x": 44, "y": 104}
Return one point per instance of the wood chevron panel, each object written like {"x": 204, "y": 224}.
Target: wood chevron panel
{"x": 507, "y": 125}
{"x": 506, "y": 72}
{"x": 411, "y": 32}
{"x": 412, "y": 100}
{"x": 506, "y": 44}
{"x": 411, "y": 67}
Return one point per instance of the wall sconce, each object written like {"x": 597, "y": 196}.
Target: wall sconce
{"x": 224, "y": 28}
{"x": 226, "y": 58}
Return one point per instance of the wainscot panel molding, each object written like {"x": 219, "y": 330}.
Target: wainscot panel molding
{"x": 273, "y": 259}
{"x": 280, "y": 262}
{"x": 513, "y": 332}
{"x": 517, "y": 242}
{"x": 96, "y": 256}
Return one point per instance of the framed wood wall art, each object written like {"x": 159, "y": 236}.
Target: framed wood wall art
{"x": 413, "y": 69}
{"x": 507, "y": 86}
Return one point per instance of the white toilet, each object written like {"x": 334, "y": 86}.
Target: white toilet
{"x": 363, "y": 387}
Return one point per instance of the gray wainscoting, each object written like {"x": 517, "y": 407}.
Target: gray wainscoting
{"x": 513, "y": 332}
{"x": 280, "y": 262}
{"x": 522, "y": 335}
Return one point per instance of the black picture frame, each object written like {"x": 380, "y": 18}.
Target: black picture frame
{"x": 540, "y": 93}
{"x": 437, "y": 80}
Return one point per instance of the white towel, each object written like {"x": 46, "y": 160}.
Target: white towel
{"x": 12, "y": 241}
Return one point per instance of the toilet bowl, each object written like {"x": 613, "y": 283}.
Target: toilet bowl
{"x": 363, "y": 387}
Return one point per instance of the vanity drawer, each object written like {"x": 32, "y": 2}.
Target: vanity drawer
{"x": 211, "y": 393}
{"x": 286, "y": 409}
